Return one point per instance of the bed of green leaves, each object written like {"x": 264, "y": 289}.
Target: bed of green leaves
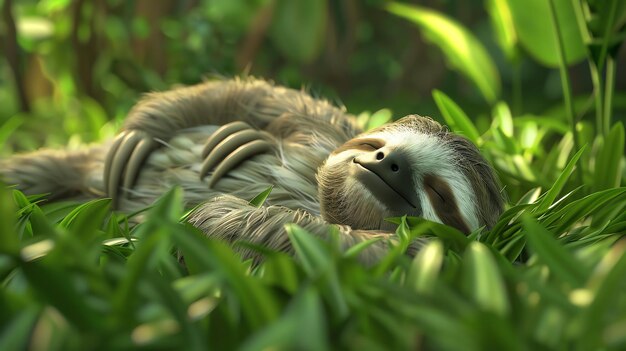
{"x": 548, "y": 276}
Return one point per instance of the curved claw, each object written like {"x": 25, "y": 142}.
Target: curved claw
{"x": 227, "y": 146}
{"x": 222, "y": 133}
{"x": 109, "y": 160}
{"x": 137, "y": 158}
{"x": 239, "y": 155}
{"x": 121, "y": 157}
{"x": 124, "y": 159}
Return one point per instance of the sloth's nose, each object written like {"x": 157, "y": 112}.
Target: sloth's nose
{"x": 386, "y": 172}
{"x": 388, "y": 164}
{"x": 391, "y": 165}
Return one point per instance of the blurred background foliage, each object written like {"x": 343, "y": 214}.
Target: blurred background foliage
{"x": 531, "y": 75}
{"x": 538, "y": 85}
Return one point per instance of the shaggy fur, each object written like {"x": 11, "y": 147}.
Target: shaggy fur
{"x": 306, "y": 164}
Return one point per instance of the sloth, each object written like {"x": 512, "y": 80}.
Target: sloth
{"x": 225, "y": 141}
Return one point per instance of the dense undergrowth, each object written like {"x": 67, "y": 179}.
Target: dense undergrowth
{"x": 548, "y": 276}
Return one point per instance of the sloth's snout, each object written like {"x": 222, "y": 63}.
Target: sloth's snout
{"x": 391, "y": 165}
{"x": 387, "y": 169}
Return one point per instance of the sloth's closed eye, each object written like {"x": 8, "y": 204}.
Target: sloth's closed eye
{"x": 372, "y": 146}
{"x": 438, "y": 192}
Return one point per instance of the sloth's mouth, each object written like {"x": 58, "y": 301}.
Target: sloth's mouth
{"x": 373, "y": 182}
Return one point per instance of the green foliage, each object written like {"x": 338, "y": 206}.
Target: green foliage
{"x": 548, "y": 275}
{"x": 532, "y": 22}
{"x": 84, "y": 284}
{"x": 259, "y": 200}
{"x": 309, "y": 17}
{"x": 464, "y": 52}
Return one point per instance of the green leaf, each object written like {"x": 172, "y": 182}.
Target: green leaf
{"x": 451, "y": 237}
{"x": 530, "y": 197}
{"x": 503, "y": 118}
{"x": 606, "y": 287}
{"x": 574, "y": 211}
{"x": 9, "y": 242}
{"x": 455, "y": 117}
{"x": 317, "y": 263}
{"x": 292, "y": 331}
{"x": 424, "y": 269}
{"x": 502, "y": 24}
{"x": 355, "y": 250}
{"x": 562, "y": 264}
{"x": 58, "y": 210}
{"x": 154, "y": 238}
{"x": 608, "y": 167}
{"x": 52, "y": 283}
{"x": 533, "y": 24}
{"x": 259, "y": 200}
{"x": 280, "y": 269}
{"x": 86, "y": 219}
{"x": 602, "y": 27}
{"x": 314, "y": 256}
{"x": 9, "y": 127}
{"x": 484, "y": 281}
{"x": 379, "y": 118}
{"x": 550, "y": 196}
{"x": 463, "y": 51}
{"x": 204, "y": 255}
{"x": 169, "y": 299}
{"x": 16, "y": 334}
{"x": 513, "y": 247}
{"x": 298, "y": 28}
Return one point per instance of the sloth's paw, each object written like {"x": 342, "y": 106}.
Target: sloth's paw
{"x": 124, "y": 160}
{"x": 230, "y": 145}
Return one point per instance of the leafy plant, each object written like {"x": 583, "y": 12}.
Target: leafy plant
{"x": 548, "y": 275}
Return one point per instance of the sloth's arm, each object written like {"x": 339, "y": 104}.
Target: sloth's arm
{"x": 233, "y": 219}
{"x": 257, "y": 103}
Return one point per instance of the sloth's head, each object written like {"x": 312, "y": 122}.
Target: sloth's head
{"x": 415, "y": 167}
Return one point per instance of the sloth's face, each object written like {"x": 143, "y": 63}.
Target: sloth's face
{"x": 411, "y": 167}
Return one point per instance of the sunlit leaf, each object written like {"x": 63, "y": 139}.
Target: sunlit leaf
{"x": 379, "y": 118}
{"x": 562, "y": 264}
{"x": 455, "y": 117}
{"x": 608, "y": 166}
{"x": 551, "y": 195}
{"x": 503, "y": 118}
{"x": 502, "y": 23}
{"x": 462, "y": 50}
{"x": 533, "y": 25}
{"x": 314, "y": 256}
{"x": 484, "y": 280}
{"x": 86, "y": 218}
{"x": 606, "y": 286}
{"x": 34, "y": 27}
{"x": 422, "y": 274}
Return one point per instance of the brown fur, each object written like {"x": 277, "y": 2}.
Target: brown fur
{"x": 302, "y": 131}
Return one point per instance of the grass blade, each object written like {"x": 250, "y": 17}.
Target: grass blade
{"x": 484, "y": 280}
{"x": 550, "y": 196}
{"x": 425, "y": 268}
{"x": 608, "y": 170}
{"x": 562, "y": 264}
{"x": 455, "y": 117}
{"x": 259, "y": 200}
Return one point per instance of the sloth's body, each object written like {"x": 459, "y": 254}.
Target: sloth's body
{"x": 323, "y": 169}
